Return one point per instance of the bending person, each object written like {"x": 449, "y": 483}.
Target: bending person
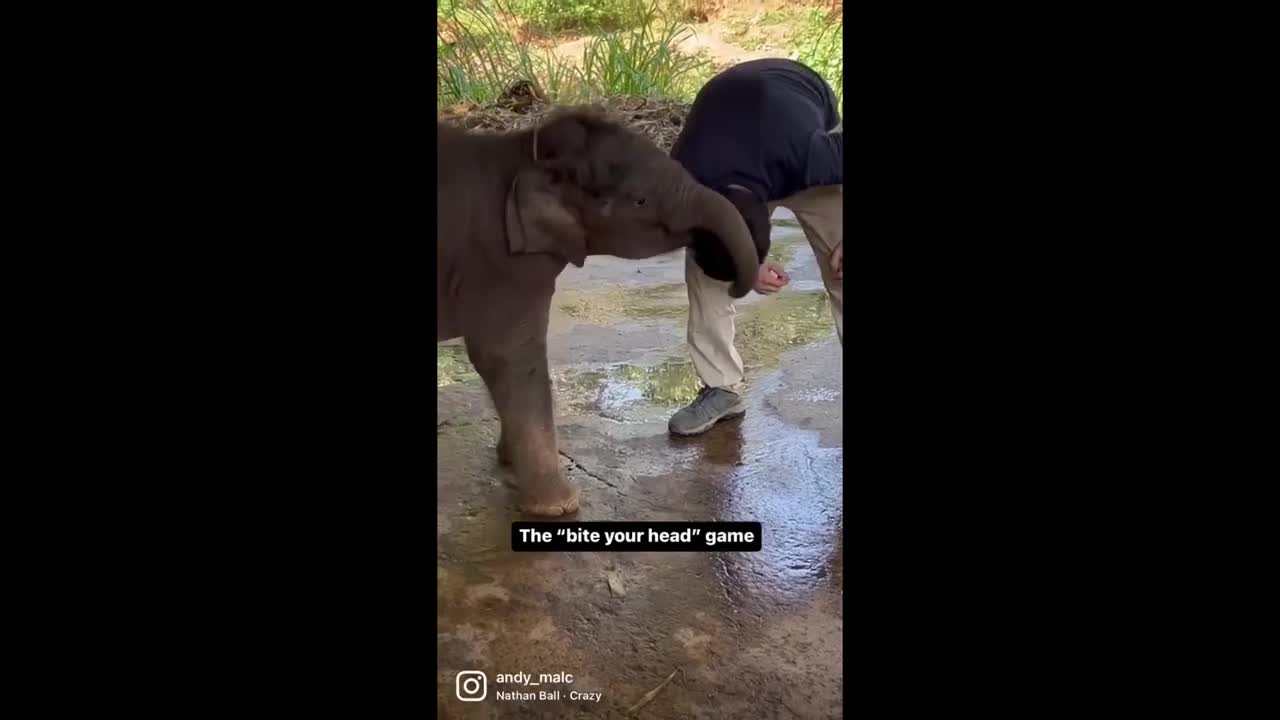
{"x": 764, "y": 134}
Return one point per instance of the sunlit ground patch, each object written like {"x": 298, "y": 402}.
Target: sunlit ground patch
{"x": 602, "y": 307}
{"x": 452, "y": 365}
{"x": 781, "y": 323}
{"x": 783, "y": 250}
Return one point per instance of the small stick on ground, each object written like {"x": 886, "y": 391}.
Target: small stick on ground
{"x": 649, "y": 696}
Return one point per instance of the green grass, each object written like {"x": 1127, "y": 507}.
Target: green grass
{"x": 482, "y": 48}
{"x": 643, "y": 61}
{"x": 552, "y": 16}
{"x": 480, "y": 53}
{"x": 478, "y": 56}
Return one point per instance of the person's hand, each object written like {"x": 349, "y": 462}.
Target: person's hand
{"x": 771, "y": 278}
{"x": 837, "y": 261}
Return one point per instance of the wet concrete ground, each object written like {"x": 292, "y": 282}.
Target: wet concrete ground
{"x": 751, "y": 635}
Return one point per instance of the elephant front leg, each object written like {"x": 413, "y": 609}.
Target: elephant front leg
{"x": 531, "y": 449}
{"x": 521, "y": 389}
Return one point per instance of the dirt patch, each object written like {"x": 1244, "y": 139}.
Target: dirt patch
{"x": 729, "y": 33}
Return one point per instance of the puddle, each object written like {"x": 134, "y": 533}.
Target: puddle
{"x": 620, "y": 391}
{"x": 794, "y": 488}
{"x": 578, "y": 390}
{"x": 672, "y": 383}
{"x": 625, "y": 392}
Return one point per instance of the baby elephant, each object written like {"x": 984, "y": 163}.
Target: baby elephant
{"x": 512, "y": 210}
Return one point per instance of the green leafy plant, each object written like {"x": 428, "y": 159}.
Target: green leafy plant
{"x": 643, "y": 61}
{"x": 557, "y": 15}
{"x": 480, "y": 53}
{"x": 820, "y": 45}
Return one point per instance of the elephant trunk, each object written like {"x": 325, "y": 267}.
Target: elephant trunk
{"x": 712, "y": 211}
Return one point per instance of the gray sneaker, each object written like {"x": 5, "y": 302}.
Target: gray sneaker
{"x": 710, "y": 407}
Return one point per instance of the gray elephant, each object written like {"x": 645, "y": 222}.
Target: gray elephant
{"x": 512, "y": 210}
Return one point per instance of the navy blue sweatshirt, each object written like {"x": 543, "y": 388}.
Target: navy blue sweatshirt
{"x": 763, "y": 125}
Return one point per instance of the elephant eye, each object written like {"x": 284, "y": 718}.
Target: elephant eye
{"x": 639, "y": 202}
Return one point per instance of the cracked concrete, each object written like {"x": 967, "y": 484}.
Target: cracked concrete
{"x": 748, "y": 634}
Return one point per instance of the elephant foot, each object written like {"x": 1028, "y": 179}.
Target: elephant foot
{"x": 551, "y": 496}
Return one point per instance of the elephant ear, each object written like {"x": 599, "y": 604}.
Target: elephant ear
{"x": 540, "y": 221}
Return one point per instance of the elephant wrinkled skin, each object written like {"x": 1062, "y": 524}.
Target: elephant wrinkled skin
{"x": 512, "y": 210}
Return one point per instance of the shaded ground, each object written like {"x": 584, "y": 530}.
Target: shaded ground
{"x": 753, "y": 634}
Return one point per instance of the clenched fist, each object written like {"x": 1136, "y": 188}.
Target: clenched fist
{"x": 771, "y": 278}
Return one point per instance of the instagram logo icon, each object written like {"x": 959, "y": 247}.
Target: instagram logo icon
{"x": 471, "y": 686}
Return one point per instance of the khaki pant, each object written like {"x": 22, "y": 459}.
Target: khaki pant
{"x": 711, "y": 310}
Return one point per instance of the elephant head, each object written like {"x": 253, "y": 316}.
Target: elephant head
{"x": 593, "y": 187}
